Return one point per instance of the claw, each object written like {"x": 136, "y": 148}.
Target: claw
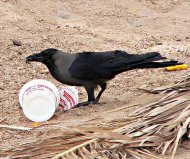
{"x": 85, "y": 103}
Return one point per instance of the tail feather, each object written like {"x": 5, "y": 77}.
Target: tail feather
{"x": 150, "y": 55}
{"x": 153, "y": 61}
{"x": 156, "y": 64}
{"x": 147, "y": 60}
{"x": 155, "y": 58}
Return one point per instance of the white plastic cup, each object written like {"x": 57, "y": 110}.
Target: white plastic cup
{"x": 68, "y": 97}
{"x": 39, "y": 99}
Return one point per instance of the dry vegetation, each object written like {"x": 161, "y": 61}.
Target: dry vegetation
{"x": 135, "y": 26}
{"x": 158, "y": 127}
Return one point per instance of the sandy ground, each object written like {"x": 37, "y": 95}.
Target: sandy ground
{"x": 136, "y": 26}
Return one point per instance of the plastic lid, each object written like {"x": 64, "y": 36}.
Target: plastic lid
{"x": 38, "y": 107}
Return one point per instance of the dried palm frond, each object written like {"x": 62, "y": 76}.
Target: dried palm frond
{"x": 15, "y": 127}
{"x": 181, "y": 86}
{"x": 158, "y": 125}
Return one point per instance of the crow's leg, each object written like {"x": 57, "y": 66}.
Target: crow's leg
{"x": 90, "y": 93}
{"x": 103, "y": 87}
{"x": 91, "y": 97}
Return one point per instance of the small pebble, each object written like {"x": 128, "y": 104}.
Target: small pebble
{"x": 44, "y": 37}
{"x": 16, "y": 42}
{"x": 159, "y": 43}
{"x": 32, "y": 11}
{"x": 32, "y": 49}
{"x": 19, "y": 52}
{"x": 46, "y": 71}
{"x": 178, "y": 39}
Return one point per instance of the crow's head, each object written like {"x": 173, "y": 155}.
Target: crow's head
{"x": 44, "y": 56}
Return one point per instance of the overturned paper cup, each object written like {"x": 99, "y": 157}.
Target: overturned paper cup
{"x": 68, "y": 97}
{"x": 39, "y": 99}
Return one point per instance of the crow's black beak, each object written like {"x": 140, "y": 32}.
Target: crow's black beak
{"x": 34, "y": 57}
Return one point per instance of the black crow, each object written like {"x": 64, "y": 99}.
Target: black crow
{"x": 92, "y": 69}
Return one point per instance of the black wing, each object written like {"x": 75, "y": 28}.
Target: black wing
{"x": 95, "y": 65}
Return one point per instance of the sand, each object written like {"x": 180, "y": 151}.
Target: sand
{"x": 136, "y": 26}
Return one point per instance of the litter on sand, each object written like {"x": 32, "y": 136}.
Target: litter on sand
{"x": 40, "y": 99}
